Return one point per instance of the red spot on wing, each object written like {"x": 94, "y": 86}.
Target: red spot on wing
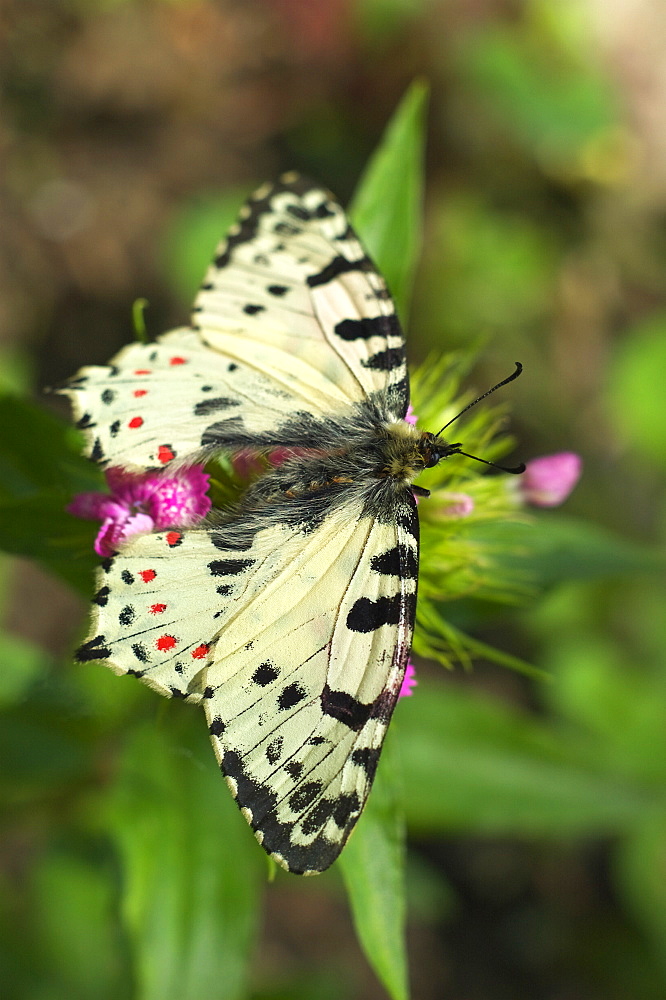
{"x": 200, "y": 652}
{"x": 157, "y": 609}
{"x": 143, "y": 371}
{"x": 135, "y": 422}
{"x": 147, "y": 575}
{"x": 177, "y": 361}
{"x": 174, "y": 538}
{"x": 165, "y": 454}
{"x": 139, "y": 392}
{"x": 166, "y": 642}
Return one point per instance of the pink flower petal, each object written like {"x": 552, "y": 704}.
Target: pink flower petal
{"x": 113, "y": 533}
{"x": 144, "y": 501}
{"x": 90, "y": 506}
{"x": 410, "y": 416}
{"x": 180, "y": 499}
{"x": 548, "y": 481}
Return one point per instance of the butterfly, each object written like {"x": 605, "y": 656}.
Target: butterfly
{"x": 290, "y": 617}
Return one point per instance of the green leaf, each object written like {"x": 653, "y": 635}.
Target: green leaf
{"x": 22, "y": 663}
{"x": 191, "y": 868}
{"x": 477, "y": 765}
{"x": 640, "y": 866}
{"x": 372, "y": 866}
{"x": 40, "y": 528}
{"x": 73, "y": 906}
{"x": 39, "y": 452}
{"x": 192, "y": 236}
{"x": 554, "y": 548}
{"x": 635, "y": 388}
{"x": 620, "y": 705}
{"x": 387, "y": 208}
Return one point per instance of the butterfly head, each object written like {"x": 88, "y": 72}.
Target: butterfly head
{"x": 433, "y": 449}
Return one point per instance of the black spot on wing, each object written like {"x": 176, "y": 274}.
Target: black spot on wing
{"x": 265, "y": 674}
{"x": 93, "y": 649}
{"x": 229, "y": 567}
{"x": 97, "y": 452}
{"x": 324, "y": 211}
{"x": 102, "y": 597}
{"x": 290, "y": 696}
{"x": 337, "y": 267}
{"x": 114, "y": 428}
{"x": 286, "y": 229}
{"x": 274, "y": 750}
{"x": 345, "y": 708}
{"x": 385, "y": 361}
{"x": 252, "y": 310}
{"x": 367, "y": 615}
{"x": 108, "y": 396}
{"x": 277, "y": 290}
{"x": 369, "y": 326}
{"x": 317, "y": 816}
{"x": 344, "y": 807}
{"x": 140, "y": 652}
{"x": 398, "y": 561}
{"x": 298, "y": 212}
{"x": 305, "y": 795}
{"x": 367, "y": 758}
{"x": 207, "y": 406}
{"x": 127, "y": 577}
{"x": 127, "y": 615}
{"x": 85, "y": 421}
{"x": 294, "y": 769}
{"x": 217, "y": 726}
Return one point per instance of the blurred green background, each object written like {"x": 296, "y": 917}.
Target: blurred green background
{"x": 536, "y": 810}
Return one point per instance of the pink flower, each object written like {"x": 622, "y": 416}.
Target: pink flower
{"x": 409, "y": 681}
{"x": 144, "y": 501}
{"x": 410, "y": 416}
{"x": 457, "y": 505}
{"x": 548, "y": 481}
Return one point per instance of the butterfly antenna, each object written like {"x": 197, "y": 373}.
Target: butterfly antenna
{"x": 469, "y": 406}
{"x": 455, "y": 450}
{"x": 516, "y": 470}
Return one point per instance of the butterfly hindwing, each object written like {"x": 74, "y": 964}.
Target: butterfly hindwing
{"x": 296, "y": 645}
{"x": 292, "y": 318}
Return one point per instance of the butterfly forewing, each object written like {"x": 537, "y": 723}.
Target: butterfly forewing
{"x": 292, "y": 318}
{"x": 295, "y": 270}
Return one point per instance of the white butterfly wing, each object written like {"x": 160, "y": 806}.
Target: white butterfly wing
{"x": 294, "y": 279}
{"x": 292, "y": 319}
{"x": 296, "y": 641}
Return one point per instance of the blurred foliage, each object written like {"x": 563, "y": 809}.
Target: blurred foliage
{"x": 535, "y": 809}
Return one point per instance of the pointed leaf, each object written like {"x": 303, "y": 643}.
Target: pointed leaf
{"x": 388, "y": 206}
{"x": 190, "y": 867}
{"x": 372, "y": 866}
